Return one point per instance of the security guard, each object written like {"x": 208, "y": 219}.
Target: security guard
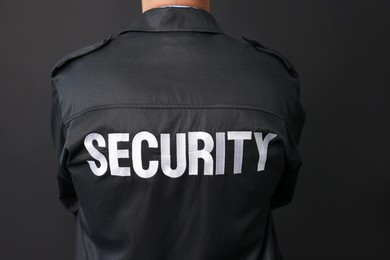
{"x": 176, "y": 141}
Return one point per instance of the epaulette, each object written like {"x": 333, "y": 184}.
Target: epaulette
{"x": 78, "y": 53}
{"x": 261, "y": 47}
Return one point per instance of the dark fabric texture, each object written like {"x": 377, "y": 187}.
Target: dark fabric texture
{"x": 175, "y": 141}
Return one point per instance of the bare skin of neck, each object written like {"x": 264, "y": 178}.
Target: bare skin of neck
{"x": 201, "y": 4}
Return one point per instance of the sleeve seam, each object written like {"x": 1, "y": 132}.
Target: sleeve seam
{"x": 64, "y": 126}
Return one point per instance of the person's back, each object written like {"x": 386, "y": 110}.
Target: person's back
{"x": 176, "y": 141}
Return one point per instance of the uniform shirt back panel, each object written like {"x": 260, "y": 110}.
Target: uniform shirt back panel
{"x": 154, "y": 192}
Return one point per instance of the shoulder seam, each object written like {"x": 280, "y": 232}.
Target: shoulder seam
{"x": 78, "y": 53}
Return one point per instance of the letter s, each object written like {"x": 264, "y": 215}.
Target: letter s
{"x": 88, "y": 143}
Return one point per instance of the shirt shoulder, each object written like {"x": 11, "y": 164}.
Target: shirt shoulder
{"x": 277, "y": 55}
{"x": 62, "y": 62}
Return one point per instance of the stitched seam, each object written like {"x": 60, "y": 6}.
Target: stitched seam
{"x": 172, "y": 106}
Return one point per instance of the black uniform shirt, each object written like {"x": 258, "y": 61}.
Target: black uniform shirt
{"x": 175, "y": 141}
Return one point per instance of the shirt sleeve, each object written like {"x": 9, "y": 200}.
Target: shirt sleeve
{"x": 284, "y": 192}
{"x": 67, "y": 194}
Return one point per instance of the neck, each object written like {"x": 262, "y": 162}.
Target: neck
{"x": 201, "y": 4}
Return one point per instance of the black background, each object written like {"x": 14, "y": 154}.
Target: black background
{"x": 341, "y": 208}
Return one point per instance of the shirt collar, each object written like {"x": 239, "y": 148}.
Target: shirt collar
{"x": 175, "y": 18}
